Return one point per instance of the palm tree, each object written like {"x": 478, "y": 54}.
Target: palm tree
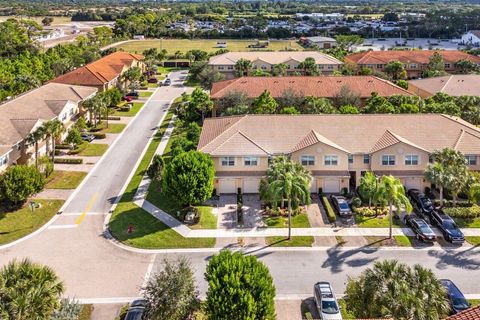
{"x": 309, "y": 67}
{"x": 280, "y": 69}
{"x": 368, "y": 187}
{"x": 435, "y": 173}
{"x": 288, "y": 181}
{"x": 243, "y": 67}
{"x": 391, "y": 191}
{"x": 89, "y": 105}
{"x": 56, "y": 130}
{"x": 29, "y": 291}
{"x": 33, "y": 138}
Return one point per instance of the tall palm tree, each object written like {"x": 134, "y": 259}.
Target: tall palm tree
{"x": 28, "y": 291}
{"x": 309, "y": 67}
{"x": 56, "y": 130}
{"x": 391, "y": 191}
{"x": 435, "y": 173}
{"x": 368, "y": 187}
{"x": 288, "y": 182}
{"x": 89, "y": 105}
{"x": 33, "y": 138}
{"x": 243, "y": 67}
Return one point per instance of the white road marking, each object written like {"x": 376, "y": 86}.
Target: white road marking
{"x": 63, "y": 226}
{"x": 80, "y": 213}
{"x": 148, "y": 273}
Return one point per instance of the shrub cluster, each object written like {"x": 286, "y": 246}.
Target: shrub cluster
{"x": 449, "y": 203}
{"x": 370, "y": 212}
{"x": 68, "y": 160}
{"x": 332, "y": 217}
{"x": 463, "y": 212}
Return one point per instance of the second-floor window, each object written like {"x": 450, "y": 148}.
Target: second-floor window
{"x": 64, "y": 116}
{"x": 250, "y": 161}
{"x": 413, "y": 66}
{"x": 411, "y": 160}
{"x": 307, "y": 160}
{"x": 447, "y": 65}
{"x": 366, "y": 159}
{"x": 331, "y": 160}
{"x": 350, "y": 159}
{"x": 230, "y": 67}
{"x": 228, "y": 161}
{"x": 3, "y": 160}
{"x": 388, "y": 160}
{"x": 221, "y": 67}
{"x": 471, "y": 159}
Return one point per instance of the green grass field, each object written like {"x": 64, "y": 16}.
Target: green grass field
{"x": 375, "y": 222}
{"x": 17, "y": 224}
{"x": 113, "y": 128}
{"x": 209, "y": 45}
{"x": 130, "y": 113}
{"x": 56, "y": 20}
{"x": 94, "y": 150}
{"x": 65, "y": 179}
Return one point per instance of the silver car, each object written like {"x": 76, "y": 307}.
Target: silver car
{"x": 327, "y": 305}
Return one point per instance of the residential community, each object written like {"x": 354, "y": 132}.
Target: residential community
{"x": 198, "y": 160}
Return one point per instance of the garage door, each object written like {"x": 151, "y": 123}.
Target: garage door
{"x": 313, "y": 186}
{"x": 250, "y": 185}
{"x": 413, "y": 183}
{"x": 331, "y": 186}
{"x": 226, "y": 186}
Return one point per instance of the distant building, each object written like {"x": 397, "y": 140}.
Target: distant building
{"x": 265, "y": 60}
{"x": 454, "y": 85}
{"x": 321, "y": 42}
{"x": 472, "y": 38}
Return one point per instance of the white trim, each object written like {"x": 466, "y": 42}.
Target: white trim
{"x": 388, "y": 155}
{"x": 330, "y": 164}
{"x": 411, "y": 155}
{"x": 308, "y": 155}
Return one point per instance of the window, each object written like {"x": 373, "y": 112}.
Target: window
{"x": 64, "y": 116}
{"x": 331, "y": 160}
{"x": 447, "y": 65}
{"x": 308, "y": 160}
{"x": 320, "y": 66}
{"x": 411, "y": 160}
{"x": 379, "y": 66}
{"x": 370, "y": 66}
{"x": 71, "y": 111}
{"x": 471, "y": 159}
{"x": 366, "y": 159}
{"x": 3, "y": 160}
{"x": 230, "y": 67}
{"x": 221, "y": 67}
{"x": 388, "y": 160}
{"x": 250, "y": 161}
{"x": 350, "y": 159}
{"x": 330, "y": 67}
{"x": 264, "y": 67}
{"x": 228, "y": 161}
{"x": 413, "y": 66}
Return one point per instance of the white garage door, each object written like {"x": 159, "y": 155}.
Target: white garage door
{"x": 250, "y": 185}
{"x": 413, "y": 183}
{"x": 331, "y": 185}
{"x": 313, "y": 186}
{"x": 226, "y": 186}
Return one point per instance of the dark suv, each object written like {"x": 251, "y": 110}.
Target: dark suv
{"x": 447, "y": 225}
{"x": 341, "y": 206}
{"x": 421, "y": 202}
{"x": 458, "y": 302}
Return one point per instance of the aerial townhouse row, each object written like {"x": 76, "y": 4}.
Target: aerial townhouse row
{"x": 60, "y": 99}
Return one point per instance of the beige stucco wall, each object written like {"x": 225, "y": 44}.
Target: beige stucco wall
{"x": 320, "y": 150}
{"x": 239, "y": 165}
{"x": 399, "y": 150}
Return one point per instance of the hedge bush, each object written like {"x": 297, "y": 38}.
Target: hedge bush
{"x": 332, "y": 217}
{"x": 114, "y": 118}
{"x": 98, "y": 135}
{"x": 449, "y": 203}
{"x": 63, "y": 146}
{"x": 79, "y": 148}
{"x": 68, "y": 160}
{"x": 463, "y": 212}
{"x": 370, "y": 212}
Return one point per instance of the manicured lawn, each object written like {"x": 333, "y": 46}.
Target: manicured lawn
{"x": 468, "y": 223}
{"x": 94, "y": 150}
{"x": 65, "y": 179}
{"x": 473, "y": 240}
{"x": 404, "y": 241}
{"x": 209, "y": 45}
{"x": 298, "y": 221}
{"x": 376, "y": 222}
{"x": 17, "y": 224}
{"x": 130, "y": 113}
{"x": 113, "y": 128}
{"x": 145, "y": 94}
{"x": 300, "y": 241}
{"x": 474, "y": 302}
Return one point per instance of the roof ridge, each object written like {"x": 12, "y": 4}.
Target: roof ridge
{"x": 446, "y": 83}
{"x": 225, "y": 131}
{"x": 457, "y": 142}
{"x": 404, "y": 140}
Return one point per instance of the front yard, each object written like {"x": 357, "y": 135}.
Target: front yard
{"x": 17, "y": 224}
{"x": 94, "y": 150}
{"x": 376, "y": 222}
{"x": 64, "y": 179}
{"x": 112, "y": 127}
{"x": 136, "y": 106}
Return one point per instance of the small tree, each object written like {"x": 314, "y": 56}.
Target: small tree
{"x": 193, "y": 132}
{"x": 368, "y": 187}
{"x": 19, "y": 182}
{"x": 232, "y": 99}
{"x": 239, "y": 287}
{"x": 309, "y": 67}
{"x": 348, "y": 109}
{"x": 243, "y": 67}
{"x": 199, "y": 104}
{"x": 74, "y": 137}
{"x": 466, "y": 66}
{"x": 290, "y": 98}
{"x": 265, "y": 104}
{"x": 314, "y": 105}
{"x": 280, "y": 69}
{"x": 345, "y": 96}
{"x": 435, "y": 67}
{"x": 394, "y": 69}
{"x": 155, "y": 170}
{"x": 172, "y": 293}
{"x": 188, "y": 178}
{"x": 47, "y": 21}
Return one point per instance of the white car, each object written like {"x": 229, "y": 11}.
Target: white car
{"x": 326, "y": 302}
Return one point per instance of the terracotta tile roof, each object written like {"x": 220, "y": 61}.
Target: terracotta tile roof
{"x": 322, "y": 86}
{"x": 100, "y": 71}
{"x": 454, "y": 85}
{"x": 272, "y": 57}
{"x": 314, "y": 137}
{"x": 21, "y": 115}
{"x": 389, "y": 139}
{"x": 408, "y": 56}
{"x": 239, "y": 144}
{"x": 469, "y": 314}
{"x": 357, "y": 134}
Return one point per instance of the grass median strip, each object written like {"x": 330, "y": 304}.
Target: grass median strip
{"x": 64, "y": 179}
{"x": 475, "y": 241}
{"x": 21, "y": 222}
{"x": 299, "y": 241}
{"x": 148, "y": 232}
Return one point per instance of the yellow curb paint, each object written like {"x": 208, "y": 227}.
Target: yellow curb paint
{"x": 89, "y": 206}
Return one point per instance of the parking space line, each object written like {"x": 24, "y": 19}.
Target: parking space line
{"x": 89, "y": 206}
{"x": 63, "y": 226}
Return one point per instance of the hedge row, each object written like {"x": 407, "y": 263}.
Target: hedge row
{"x": 370, "y": 212}
{"x": 463, "y": 212}
{"x": 98, "y": 135}
{"x": 332, "y": 217}
{"x": 114, "y": 118}
{"x": 449, "y": 203}
{"x": 79, "y": 148}
{"x": 63, "y": 146}
{"x": 68, "y": 160}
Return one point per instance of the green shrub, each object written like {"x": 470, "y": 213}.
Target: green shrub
{"x": 68, "y": 160}
{"x": 449, "y": 203}
{"x": 63, "y": 146}
{"x": 98, "y": 135}
{"x": 356, "y": 202}
{"x": 332, "y": 217}
{"x": 463, "y": 212}
{"x": 19, "y": 182}
{"x": 370, "y": 212}
{"x": 79, "y": 148}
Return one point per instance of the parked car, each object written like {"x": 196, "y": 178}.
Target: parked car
{"x": 447, "y": 225}
{"x": 421, "y": 228}
{"x": 421, "y": 202}
{"x": 136, "y": 310}
{"x": 127, "y": 98}
{"x": 88, "y": 137}
{"x": 152, "y": 80}
{"x": 167, "y": 82}
{"x": 132, "y": 94}
{"x": 327, "y": 305}
{"x": 341, "y": 206}
{"x": 457, "y": 299}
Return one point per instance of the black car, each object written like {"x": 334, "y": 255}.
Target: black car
{"x": 136, "y": 310}
{"x": 152, "y": 80}
{"x": 447, "y": 225}
{"x": 421, "y": 228}
{"x": 421, "y": 202}
{"x": 341, "y": 206}
{"x": 457, "y": 299}
{"x": 132, "y": 94}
